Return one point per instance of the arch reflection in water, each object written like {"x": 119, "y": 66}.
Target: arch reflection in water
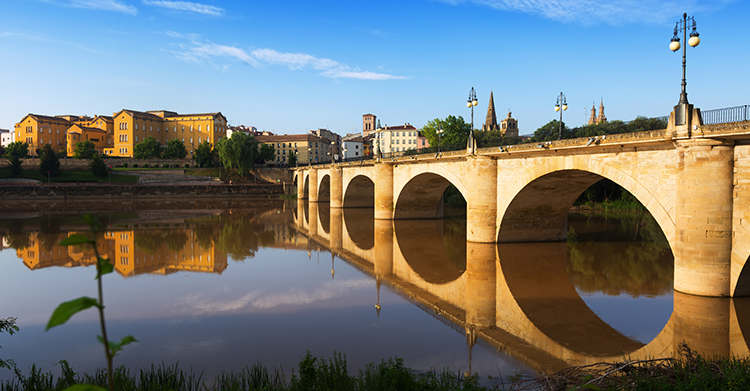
{"x": 523, "y": 298}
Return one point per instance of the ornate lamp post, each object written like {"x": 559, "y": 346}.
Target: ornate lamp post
{"x": 561, "y": 106}
{"x": 471, "y": 102}
{"x": 439, "y": 133}
{"x": 682, "y": 26}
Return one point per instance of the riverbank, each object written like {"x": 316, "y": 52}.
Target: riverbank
{"x": 691, "y": 371}
{"x": 75, "y": 191}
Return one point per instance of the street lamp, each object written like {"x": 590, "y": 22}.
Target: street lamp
{"x": 561, "y": 106}
{"x": 296, "y": 158}
{"x": 471, "y": 102}
{"x": 439, "y": 133}
{"x": 333, "y": 152}
{"x": 309, "y": 156}
{"x": 682, "y": 26}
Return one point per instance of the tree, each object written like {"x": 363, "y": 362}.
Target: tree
{"x": 15, "y": 152}
{"x": 292, "y": 158}
{"x": 98, "y": 167}
{"x": 175, "y": 149}
{"x": 204, "y": 154}
{"x": 455, "y": 131}
{"x": 84, "y": 150}
{"x": 239, "y": 151}
{"x": 550, "y": 132}
{"x": 266, "y": 152}
{"x": 49, "y": 164}
{"x": 149, "y": 148}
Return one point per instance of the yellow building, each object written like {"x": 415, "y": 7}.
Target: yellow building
{"x": 132, "y": 127}
{"x": 78, "y": 133}
{"x": 38, "y": 130}
{"x": 118, "y": 135}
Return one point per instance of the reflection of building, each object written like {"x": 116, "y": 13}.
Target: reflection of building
{"x": 157, "y": 255}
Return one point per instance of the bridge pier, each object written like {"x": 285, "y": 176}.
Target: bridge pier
{"x": 383, "y": 260}
{"x": 481, "y": 284}
{"x": 481, "y": 201}
{"x": 383, "y": 179}
{"x": 300, "y": 184}
{"x": 703, "y": 209}
{"x": 337, "y": 192}
{"x": 313, "y": 186}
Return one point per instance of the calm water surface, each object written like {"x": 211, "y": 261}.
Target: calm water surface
{"x": 220, "y": 288}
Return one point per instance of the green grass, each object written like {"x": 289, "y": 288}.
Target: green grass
{"x": 313, "y": 373}
{"x": 70, "y": 176}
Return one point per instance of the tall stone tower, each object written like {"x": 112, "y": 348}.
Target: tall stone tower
{"x": 592, "y": 119}
{"x": 601, "y": 118}
{"x": 509, "y": 126}
{"x": 490, "y": 123}
{"x": 368, "y": 124}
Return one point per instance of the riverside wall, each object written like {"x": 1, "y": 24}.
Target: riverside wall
{"x": 99, "y": 191}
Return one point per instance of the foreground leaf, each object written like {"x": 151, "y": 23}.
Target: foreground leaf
{"x": 105, "y": 267}
{"x": 64, "y": 311}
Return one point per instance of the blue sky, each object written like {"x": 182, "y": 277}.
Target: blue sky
{"x": 292, "y": 66}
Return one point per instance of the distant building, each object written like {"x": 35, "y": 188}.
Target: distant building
{"x": 395, "y": 138}
{"x": 601, "y": 118}
{"x": 422, "y": 141}
{"x": 308, "y": 148}
{"x": 249, "y": 130}
{"x": 353, "y": 146}
{"x": 7, "y": 137}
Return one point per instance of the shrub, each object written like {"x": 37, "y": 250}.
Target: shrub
{"x": 187, "y": 165}
{"x": 125, "y": 165}
{"x": 145, "y": 165}
{"x": 135, "y": 165}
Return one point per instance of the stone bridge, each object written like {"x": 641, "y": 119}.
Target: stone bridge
{"x": 516, "y": 298}
{"x": 693, "y": 178}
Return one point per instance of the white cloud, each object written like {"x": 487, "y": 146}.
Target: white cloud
{"x": 198, "y": 305}
{"x": 187, "y": 6}
{"x": 106, "y": 5}
{"x": 197, "y": 51}
{"x": 594, "y": 11}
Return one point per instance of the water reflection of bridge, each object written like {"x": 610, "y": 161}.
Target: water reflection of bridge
{"x": 515, "y": 297}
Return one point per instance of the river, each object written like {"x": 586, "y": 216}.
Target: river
{"x": 218, "y": 286}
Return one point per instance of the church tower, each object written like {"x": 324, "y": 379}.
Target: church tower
{"x": 368, "y": 124}
{"x": 490, "y": 123}
{"x": 601, "y": 118}
{"x": 592, "y": 119}
{"x": 509, "y": 126}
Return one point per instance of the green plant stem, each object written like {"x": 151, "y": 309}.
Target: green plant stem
{"x": 107, "y": 350}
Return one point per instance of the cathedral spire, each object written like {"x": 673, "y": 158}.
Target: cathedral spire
{"x": 601, "y": 118}
{"x": 490, "y": 123}
{"x": 592, "y": 119}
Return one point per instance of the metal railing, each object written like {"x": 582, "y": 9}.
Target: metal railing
{"x": 726, "y": 115}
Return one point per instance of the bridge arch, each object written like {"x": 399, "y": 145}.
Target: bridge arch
{"x": 306, "y": 185}
{"x": 421, "y": 196}
{"x": 359, "y": 192}
{"x": 324, "y": 188}
{"x": 534, "y": 208}
{"x": 429, "y": 252}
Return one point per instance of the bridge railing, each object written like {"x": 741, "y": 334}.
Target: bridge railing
{"x": 726, "y": 115}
